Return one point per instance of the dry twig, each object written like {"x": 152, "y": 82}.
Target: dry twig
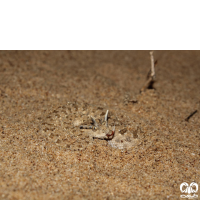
{"x": 187, "y": 119}
{"x": 151, "y": 75}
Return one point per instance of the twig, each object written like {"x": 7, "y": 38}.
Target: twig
{"x": 152, "y": 65}
{"x": 151, "y": 76}
{"x": 187, "y": 119}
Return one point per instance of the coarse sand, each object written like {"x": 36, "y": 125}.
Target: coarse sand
{"x": 42, "y": 154}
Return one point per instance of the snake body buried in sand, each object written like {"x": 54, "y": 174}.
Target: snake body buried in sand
{"x": 77, "y": 125}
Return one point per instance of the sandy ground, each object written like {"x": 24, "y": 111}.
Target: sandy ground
{"x": 37, "y": 162}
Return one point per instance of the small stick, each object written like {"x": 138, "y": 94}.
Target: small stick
{"x": 151, "y": 76}
{"x": 187, "y": 119}
{"x": 152, "y": 65}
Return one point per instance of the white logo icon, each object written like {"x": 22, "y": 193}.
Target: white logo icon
{"x": 189, "y": 189}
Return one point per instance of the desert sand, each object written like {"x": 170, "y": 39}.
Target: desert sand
{"x": 53, "y": 160}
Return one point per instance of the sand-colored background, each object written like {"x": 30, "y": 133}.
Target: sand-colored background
{"x": 34, "y": 165}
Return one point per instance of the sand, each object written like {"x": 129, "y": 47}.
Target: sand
{"x": 38, "y": 162}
